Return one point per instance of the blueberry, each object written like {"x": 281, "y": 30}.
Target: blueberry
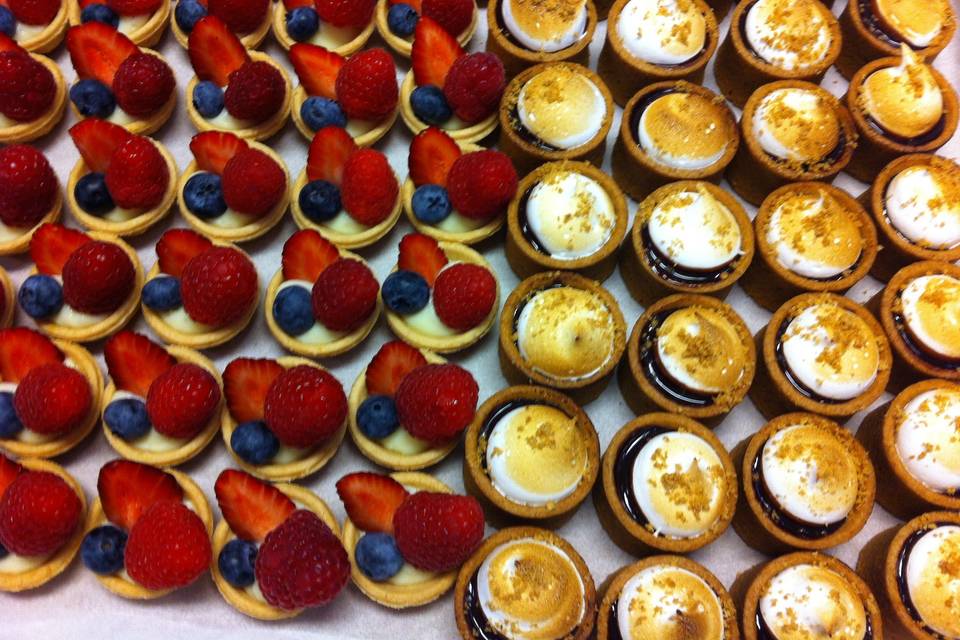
{"x": 100, "y": 13}
{"x": 405, "y": 292}
{"x": 9, "y": 422}
{"x": 102, "y": 549}
{"x": 254, "y": 442}
{"x": 92, "y": 194}
{"x": 8, "y": 24}
{"x": 127, "y": 418}
{"x": 302, "y": 23}
{"x": 402, "y": 19}
{"x": 293, "y": 310}
{"x": 378, "y": 556}
{"x": 431, "y": 203}
{"x": 430, "y": 105}
{"x": 3, "y": 551}
{"x": 377, "y": 417}
{"x": 236, "y": 562}
{"x": 40, "y": 296}
{"x": 208, "y": 99}
{"x": 203, "y": 195}
{"x": 320, "y": 112}
{"x": 162, "y": 293}
{"x": 187, "y": 13}
{"x": 93, "y": 98}
{"x": 320, "y": 200}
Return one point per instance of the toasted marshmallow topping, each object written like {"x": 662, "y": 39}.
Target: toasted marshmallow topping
{"x": 931, "y": 313}
{"x": 571, "y": 215}
{"x": 701, "y": 349}
{"x": 665, "y": 601}
{"x": 933, "y": 579}
{"x": 685, "y": 130}
{"x": 662, "y": 31}
{"x": 814, "y": 235}
{"x": 679, "y": 483}
{"x": 536, "y": 455}
{"x": 530, "y": 590}
{"x": 694, "y": 230}
{"x": 807, "y": 602}
{"x": 831, "y": 351}
{"x": 563, "y": 108}
{"x": 545, "y": 25}
{"x": 928, "y": 440}
{"x": 789, "y": 34}
{"x": 904, "y": 100}
{"x": 916, "y": 21}
{"x": 797, "y": 125}
{"x": 923, "y": 204}
{"x": 565, "y": 332}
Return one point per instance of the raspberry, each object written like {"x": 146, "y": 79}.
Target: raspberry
{"x": 143, "y": 83}
{"x": 474, "y": 86}
{"x": 366, "y": 85}
{"x": 134, "y": 7}
{"x": 182, "y": 400}
{"x": 481, "y": 184}
{"x": 438, "y": 531}
{"x": 304, "y": 406}
{"x": 35, "y": 12}
{"x": 437, "y": 401}
{"x": 98, "y": 277}
{"x": 453, "y": 15}
{"x": 168, "y": 547}
{"x": 346, "y": 13}
{"x": 27, "y": 87}
{"x": 369, "y": 188}
{"x": 463, "y": 295}
{"x": 241, "y": 16}
{"x": 39, "y": 512}
{"x": 28, "y": 186}
{"x": 345, "y": 295}
{"x": 52, "y": 399}
{"x": 301, "y": 563}
{"x": 137, "y": 177}
{"x": 254, "y": 92}
{"x": 252, "y": 182}
{"x": 218, "y": 286}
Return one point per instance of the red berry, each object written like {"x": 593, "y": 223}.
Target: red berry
{"x": 128, "y": 489}
{"x": 432, "y": 153}
{"x": 97, "y": 139}
{"x": 134, "y": 361}
{"x": 246, "y": 382}
{"x": 306, "y": 254}
{"x": 253, "y": 508}
{"x": 176, "y": 247}
{"x": 390, "y": 366}
{"x": 453, "y": 15}
{"x": 345, "y": 295}
{"x": 28, "y": 186}
{"x": 317, "y": 68}
{"x": 346, "y": 13}
{"x": 366, "y": 85}
{"x": 438, "y": 531}
{"x": 422, "y": 254}
{"x": 242, "y": 16}
{"x": 253, "y": 183}
{"x": 371, "y": 499}
{"x": 52, "y": 399}
{"x": 138, "y": 176}
{"x": 143, "y": 83}
{"x": 433, "y": 52}
{"x": 328, "y": 153}
{"x": 463, "y": 295}
{"x": 97, "y": 50}
{"x": 213, "y": 149}
{"x": 134, "y": 7}
{"x": 481, "y": 184}
{"x": 39, "y": 512}
{"x": 474, "y": 86}
{"x": 52, "y": 245}
{"x": 369, "y": 189}
{"x": 304, "y": 406}
{"x": 218, "y": 286}
{"x": 215, "y": 51}
{"x": 182, "y": 400}
{"x": 23, "y": 349}
{"x": 168, "y": 547}
{"x": 255, "y": 92}
{"x": 9, "y": 471}
{"x": 437, "y": 401}
{"x": 98, "y": 278}
{"x": 27, "y": 87}
{"x": 35, "y": 12}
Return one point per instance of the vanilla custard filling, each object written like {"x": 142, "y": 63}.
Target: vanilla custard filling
{"x": 923, "y": 204}
{"x": 789, "y": 34}
{"x": 318, "y": 333}
{"x": 904, "y": 100}
{"x": 14, "y": 564}
{"x": 808, "y": 602}
{"x": 129, "y": 24}
{"x": 67, "y": 316}
{"x": 664, "y": 32}
{"x": 931, "y": 314}
{"x": 427, "y": 322}
{"x": 330, "y": 36}
{"x": 153, "y": 440}
{"x": 561, "y": 107}
{"x": 545, "y": 25}
{"x": 918, "y": 22}
{"x": 695, "y": 231}
{"x": 230, "y": 219}
{"x": 685, "y": 131}
{"x": 665, "y": 601}
{"x": 571, "y": 215}
{"x": 24, "y": 31}
{"x": 933, "y": 581}
{"x": 8, "y": 233}
{"x": 797, "y": 125}
{"x": 699, "y": 348}
{"x": 224, "y": 120}
{"x": 927, "y": 439}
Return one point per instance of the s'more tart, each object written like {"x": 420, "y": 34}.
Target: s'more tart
{"x": 34, "y": 93}
{"x": 247, "y": 20}
{"x": 39, "y": 26}
{"x": 396, "y": 20}
{"x": 144, "y": 22}
{"x": 343, "y": 28}
{"x": 31, "y": 196}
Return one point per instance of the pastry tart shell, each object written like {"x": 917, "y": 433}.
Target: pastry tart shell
{"x": 9, "y": 299}
{"x": 146, "y": 35}
{"x": 48, "y": 38}
{"x": 282, "y": 36}
{"x": 21, "y": 243}
{"x": 470, "y": 133}
{"x": 365, "y": 139}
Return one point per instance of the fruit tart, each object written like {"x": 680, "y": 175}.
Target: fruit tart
{"x": 397, "y": 20}
{"x": 33, "y": 94}
{"x": 244, "y": 92}
{"x": 49, "y": 393}
{"x": 350, "y": 195}
{"x": 118, "y": 81}
{"x": 342, "y": 27}
{"x": 248, "y": 20}
{"x": 440, "y": 296}
{"x": 358, "y": 93}
{"x": 37, "y": 25}
{"x": 408, "y": 407}
{"x": 29, "y": 196}
{"x": 8, "y": 297}
{"x": 42, "y": 509}
{"x": 123, "y": 183}
{"x": 84, "y": 286}
{"x": 285, "y": 418}
{"x": 407, "y": 535}
{"x": 233, "y": 190}
{"x": 143, "y": 21}
{"x": 450, "y": 88}
{"x": 148, "y": 532}
{"x": 199, "y": 294}
{"x": 277, "y": 550}
{"x": 456, "y": 192}
{"x": 323, "y": 301}
{"x": 162, "y": 404}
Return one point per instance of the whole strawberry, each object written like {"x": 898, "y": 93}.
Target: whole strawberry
{"x": 137, "y": 176}
{"x": 438, "y": 531}
{"x": 366, "y": 86}
{"x": 481, "y": 184}
{"x": 52, "y": 399}
{"x": 252, "y": 182}
{"x": 255, "y": 92}
{"x": 436, "y": 402}
{"x": 345, "y": 295}
{"x": 98, "y": 277}
{"x": 242, "y": 16}
{"x": 168, "y": 547}
{"x": 27, "y": 88}
{"x": 346, "y": 13}
{"x": 28, "y": 186}
{"x": 463, "y": 295}
{"x": 369, "y": 188}
{"x": 39, "y": 512}
{"x": 218, "y": 286}
{"x": 143, "y": 83}
{"x": 301, "y": 563}
{"x": 304, "y": 406}
{"x": 474, "y": 86}
{"x": 182, "y": 400}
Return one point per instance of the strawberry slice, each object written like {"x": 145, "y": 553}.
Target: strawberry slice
{"x": 317, "y": 69}
{"x": 434, "y": 52}
{"x": 422, "y": 254}
{"x": 213, "y": 149}
{"x": 97, "y": 50}
{"x": 97, "y": 139}
{"x": 245, "y": 385}
{"x": 432, "y": 153}
{"x": 371, "y": 499}
{"x": 9, "y": 470}
{"x": 252, "y": 507}
{"x": 416, "y": 4}
{"x": 127, "y": 489}
{"x": 390, "y": 365}
{"x": 52, "y": 244}
{"x": 306, "y": 254}
{"x": 215, "y": 51}
{"x": 23, "y": 349}
{"x": 176, "y": 247}
{"x": 134, "y": 361}
{"x": 9, "y": 44}
{"x": 329, "y": 150}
